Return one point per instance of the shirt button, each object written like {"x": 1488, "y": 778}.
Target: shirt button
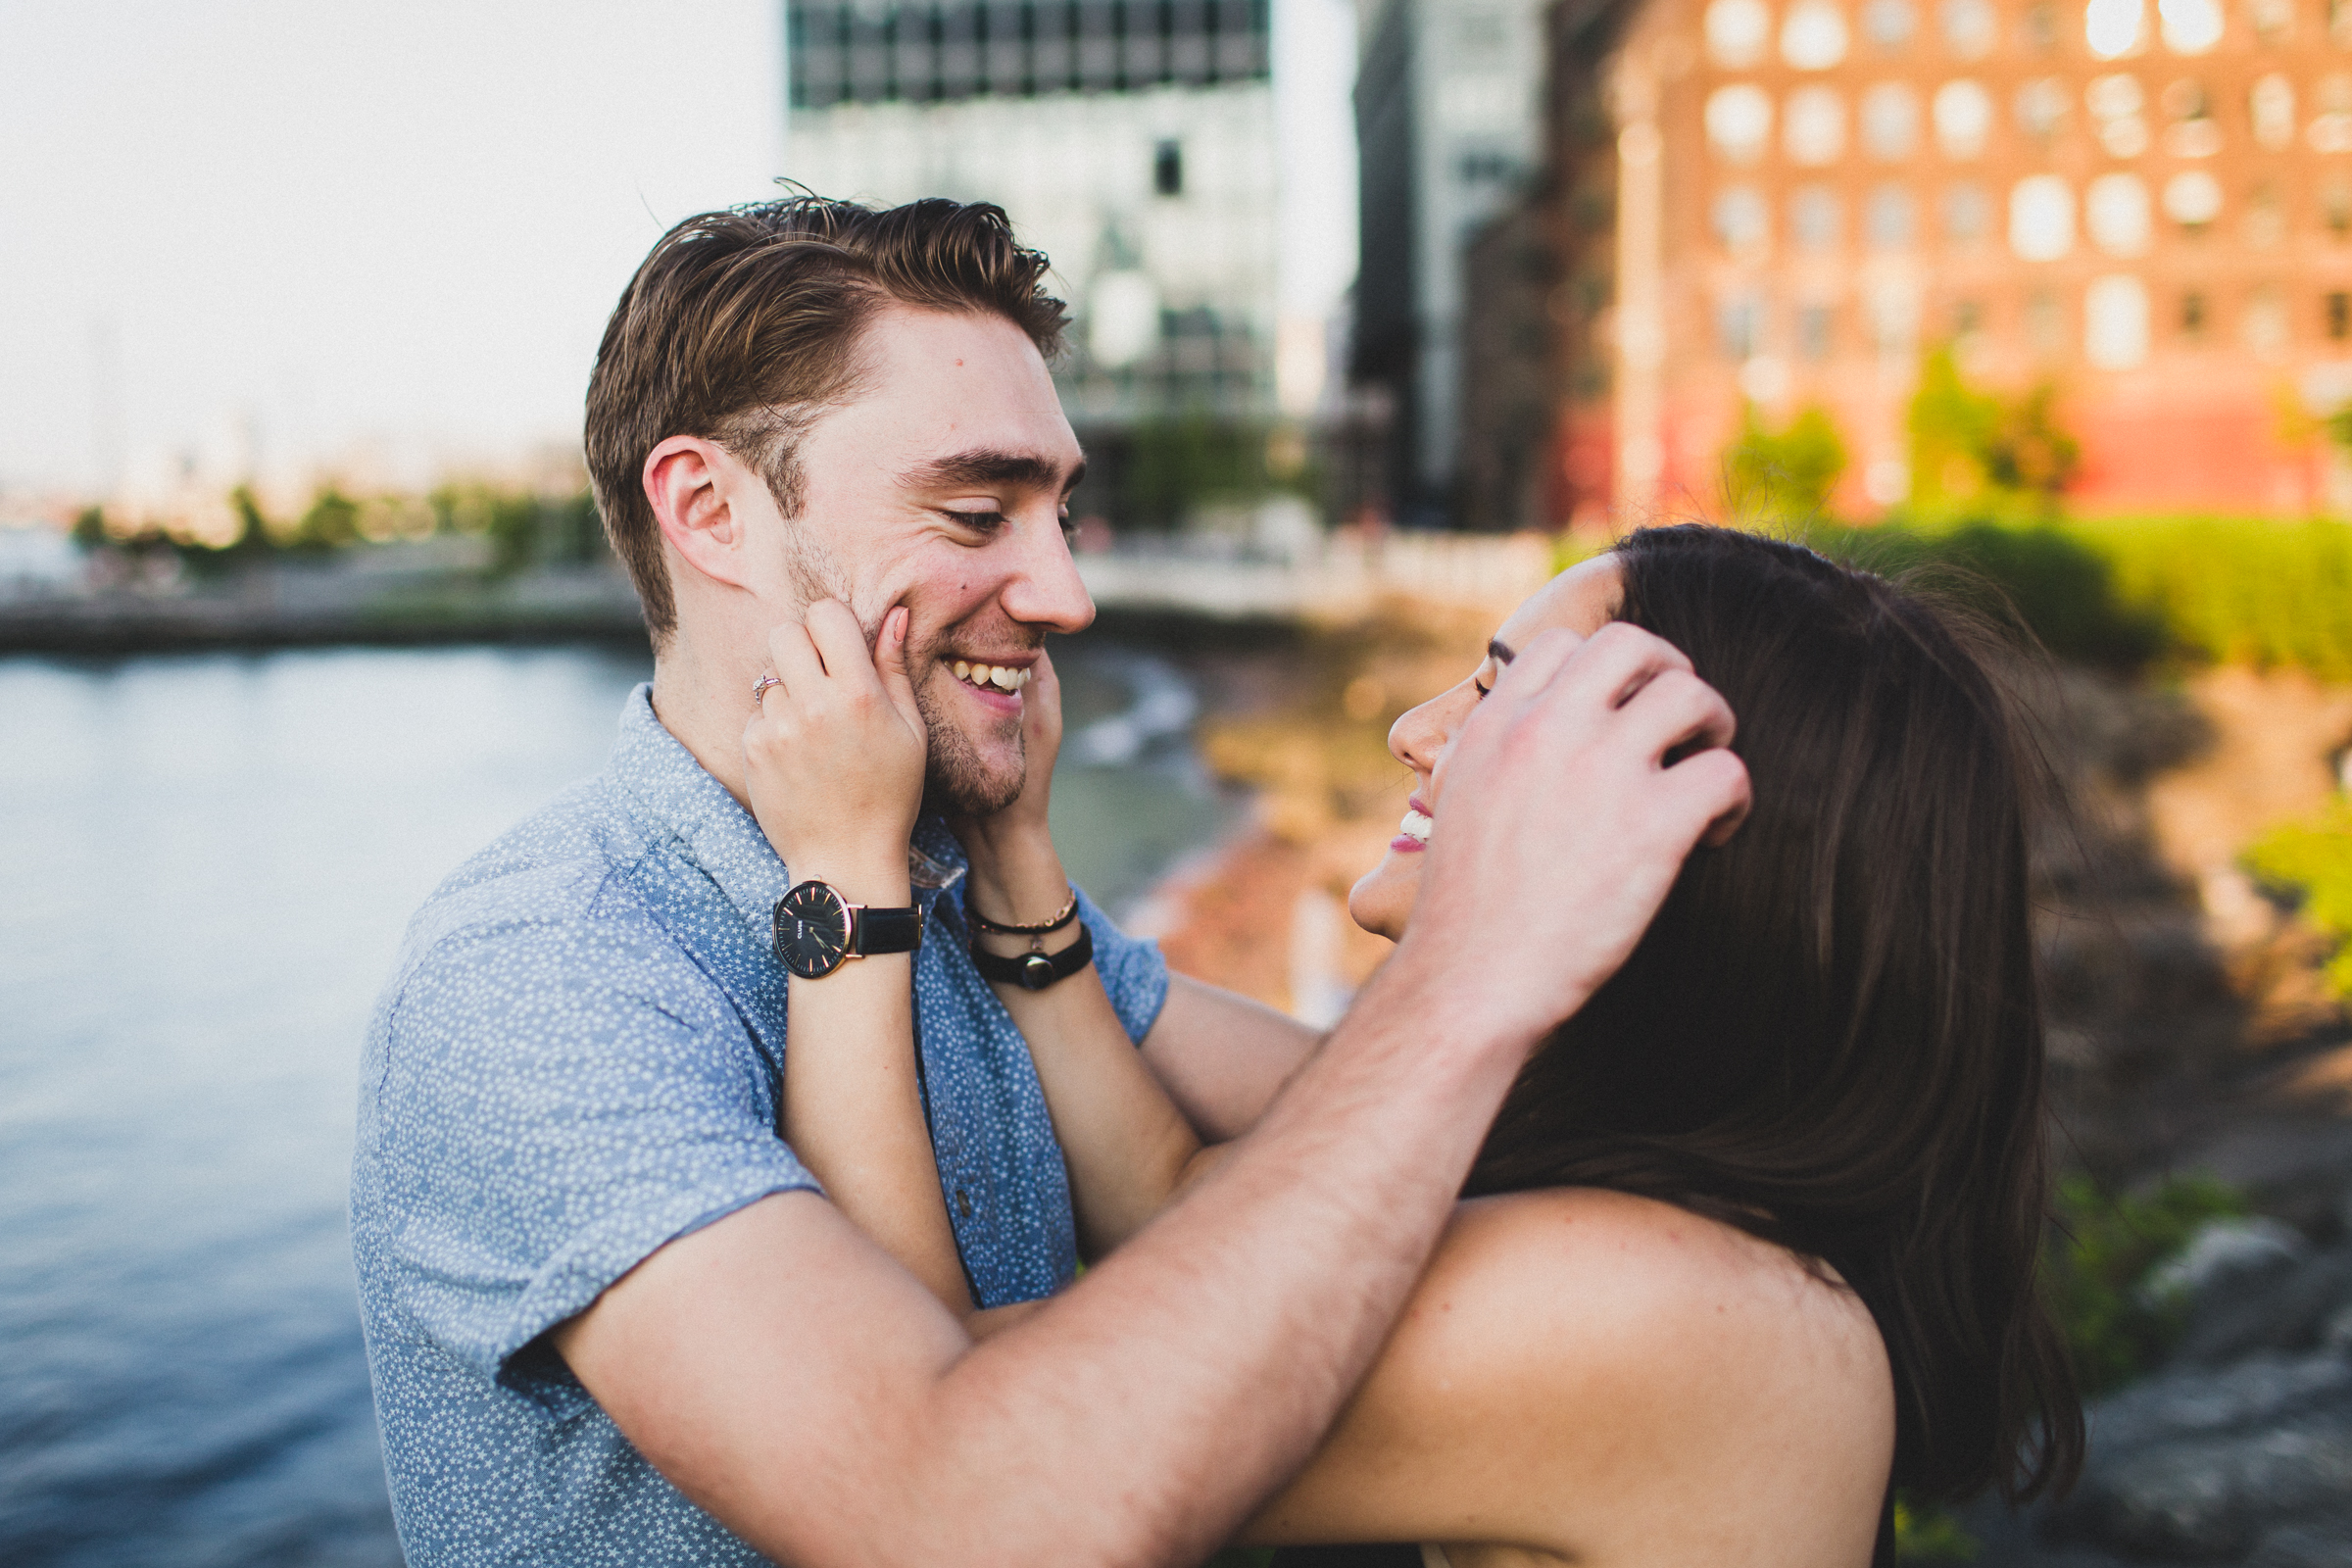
{"x": 963, "y": 1202}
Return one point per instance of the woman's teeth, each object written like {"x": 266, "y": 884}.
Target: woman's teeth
{"x": 1003, "y": 677}
{"x": 1415, "y": 826}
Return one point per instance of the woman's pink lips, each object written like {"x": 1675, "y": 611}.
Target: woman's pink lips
{"x": 1401, "y": 842}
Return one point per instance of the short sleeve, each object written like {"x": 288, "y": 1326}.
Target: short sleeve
{"x": 1134, "y": 974}
{"x": 556, "y": 1103}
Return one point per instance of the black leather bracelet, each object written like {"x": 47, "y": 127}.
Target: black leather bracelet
{"x": 1061, "y": 917}
{"x": 1034, "y": 971}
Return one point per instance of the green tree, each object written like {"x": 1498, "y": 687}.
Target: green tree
{"x": 253, "y": 529}
{"x": 1970, "y": 445}
{"x": 332, "y": 522}
{"x": 1784, "y": 475}
{"x": 89, "y": 528}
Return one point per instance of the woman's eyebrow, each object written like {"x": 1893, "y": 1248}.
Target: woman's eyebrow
{"x": 1500, "y": 651}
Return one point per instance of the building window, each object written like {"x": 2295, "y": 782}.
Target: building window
{"x": 2271, "y": 110}
{"x": 2273, "y": 19}
{"x": 1970, "y": 28}
{"x": 2332, "y": 128}
{"x": 1167, "y": 168}
{"x": 2192, "y": 200}
{"x": 1815, "y": 217}
{"x": 2266, "y": 322}
{"x": 2266, "y": 217}
{"x": 1889, "y": 218}
{"x": 1738, "y": 32}
{"x": 1813, "y": 325}
{"x": 1743, "y": 221}
{"x": 1740, "y": 324}
{"x": 2045, "y": 322}
{"x": 2335, "y": 208}
{"x": 2339, "y": 316}
{"x": 1967, "y": 214}
{"x": 2115, "y": 212}
{"x": 2115, "y": 102}
{"x": 2041, "y": 217}
{"x": 1814, "y": 131}
{"x": 1813, "y": 35}
{"x": 1963, "y": 116}
{"x": 1888, "y": 24}
{"x": 2189, "y": 27}
{"x": 2193, "y": 133}
{"x": 1739, "y": 121}
{"x": 1889, "y": 122}
{"x": 2192, "y": 313}
{"x": 2115, "y": 321}
{"x": 2040, "y": 107}
{"x": 1894, "y": 311}
{"x": 1485, "y": 166}
{"x": 2112, "y": 27}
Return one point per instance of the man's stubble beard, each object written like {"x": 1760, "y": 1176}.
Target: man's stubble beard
{"x": 956, "y": 780}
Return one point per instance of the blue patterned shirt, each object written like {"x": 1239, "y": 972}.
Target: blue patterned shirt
{"x": 577, "y": 1061}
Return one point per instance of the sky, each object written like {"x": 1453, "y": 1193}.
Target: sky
{"x": 271, "y": 235}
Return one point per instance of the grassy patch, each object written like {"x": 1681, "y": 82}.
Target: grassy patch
{"x": 2313, "y": 862}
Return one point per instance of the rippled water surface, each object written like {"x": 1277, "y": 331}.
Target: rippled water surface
{"x": 207, "y": 864}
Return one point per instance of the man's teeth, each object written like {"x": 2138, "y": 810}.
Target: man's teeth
{"x": 1003, "y": 677}
{"x": 1415, "y": 826}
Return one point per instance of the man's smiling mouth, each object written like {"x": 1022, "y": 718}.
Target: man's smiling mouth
{"x": 990, "y": 677}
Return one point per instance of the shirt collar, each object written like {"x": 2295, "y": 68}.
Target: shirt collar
{"x": 679, "y": 799}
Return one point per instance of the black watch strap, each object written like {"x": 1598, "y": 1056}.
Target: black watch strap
{"x": 1034, "y": 971}
{"x": 880, "y": 931}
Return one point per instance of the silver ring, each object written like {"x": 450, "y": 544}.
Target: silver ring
{"x": 760, "y": 688}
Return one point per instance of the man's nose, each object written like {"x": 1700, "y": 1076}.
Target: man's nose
{"x": 1045, "y": 588}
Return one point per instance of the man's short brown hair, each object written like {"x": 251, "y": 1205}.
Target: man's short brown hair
{"x": 741, "y": 327}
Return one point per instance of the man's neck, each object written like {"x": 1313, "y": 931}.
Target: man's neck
{"x": 704, "y": 697}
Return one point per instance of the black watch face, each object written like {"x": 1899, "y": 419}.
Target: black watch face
{"x": 813, "y": 930}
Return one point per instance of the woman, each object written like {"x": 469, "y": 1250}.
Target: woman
{"x": 1754, "y": 1239}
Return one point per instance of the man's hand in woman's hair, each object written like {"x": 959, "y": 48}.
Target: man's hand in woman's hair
{"x": 1560, "y": 821}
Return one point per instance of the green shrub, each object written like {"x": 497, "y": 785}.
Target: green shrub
{"x": 1924, "y": 1532}
{"x": 2100, "y": 1251}
{"x": 1782, "y": 475}
{"x": 2236, "y": 590}
{"x": 2313, "y": 860}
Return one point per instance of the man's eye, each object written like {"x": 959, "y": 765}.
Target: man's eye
{"x": 1481, "y": 690}
{"x": 982, "y": 522}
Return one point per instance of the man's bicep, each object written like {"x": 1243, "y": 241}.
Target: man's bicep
{"x": 774, "y": 1367}
{"x": 1221, "y": 1056}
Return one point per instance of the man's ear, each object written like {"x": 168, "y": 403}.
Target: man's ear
{"x": 692, "y": 484}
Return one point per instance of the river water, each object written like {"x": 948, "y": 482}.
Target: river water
{"x": 206, "y": 863}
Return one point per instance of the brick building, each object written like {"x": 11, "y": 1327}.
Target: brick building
{"x": 2147, "y": 204}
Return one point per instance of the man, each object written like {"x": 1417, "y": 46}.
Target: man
{"x": 610, "y": 1317}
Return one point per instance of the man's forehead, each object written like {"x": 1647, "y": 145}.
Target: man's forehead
{"x": 951, "y": 399}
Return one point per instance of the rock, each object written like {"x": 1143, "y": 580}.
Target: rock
{"x": 2324, "y": 1543}
{"x": 2227, "y": 1253}
{"x": 2214, "y": 1498}
{"x": 2257, "y": 1392}
{"x": 2296, "y": 1311}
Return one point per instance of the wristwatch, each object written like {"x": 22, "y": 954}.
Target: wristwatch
{"x": 818, "y": 930}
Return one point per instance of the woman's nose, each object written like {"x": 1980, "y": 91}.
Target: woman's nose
{"x": 1421, "y": 733}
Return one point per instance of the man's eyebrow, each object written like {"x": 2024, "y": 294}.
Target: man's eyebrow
{"x": 1500, "y": 651}
{"x": 986, "y": 465}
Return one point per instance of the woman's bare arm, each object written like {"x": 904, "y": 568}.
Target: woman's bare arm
{"x": 834, "y": 766}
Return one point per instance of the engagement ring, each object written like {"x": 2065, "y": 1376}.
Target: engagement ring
{"x": 760, "y": 688}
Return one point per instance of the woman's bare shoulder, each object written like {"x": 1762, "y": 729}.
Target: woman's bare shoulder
{"x": 1582, "y": 1371}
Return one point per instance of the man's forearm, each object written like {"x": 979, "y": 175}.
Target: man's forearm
{"x": 1185, "y": 1376}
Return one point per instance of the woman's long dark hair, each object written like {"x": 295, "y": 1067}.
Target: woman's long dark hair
{"x": 1830, "y": 1035}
